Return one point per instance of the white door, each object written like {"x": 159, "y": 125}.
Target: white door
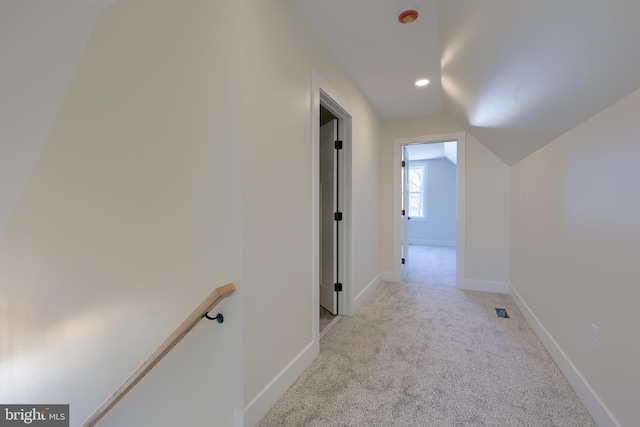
{"x": 405, "y": 213}
{"x": 328, "y": 225}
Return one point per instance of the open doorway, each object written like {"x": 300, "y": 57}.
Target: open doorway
{"x": 331, "y": 176}
{"x": 429, "y": 199}
{"x": 328, "y": 206}
{"x": 446, "y": 235}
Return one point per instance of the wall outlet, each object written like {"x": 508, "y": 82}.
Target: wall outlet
{"x": 595, "y": 337}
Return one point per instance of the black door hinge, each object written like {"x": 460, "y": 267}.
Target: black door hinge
{"x": 403, "y": 163}
{"x": 338, "y": 145}
{"x": 337, "y": 287}
{"x": 403, "y": 260}
{"x": 402, "y": 212}
{"x": 337, "y": 216}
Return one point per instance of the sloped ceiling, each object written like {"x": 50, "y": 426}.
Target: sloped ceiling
{"x": 516, "y": 74}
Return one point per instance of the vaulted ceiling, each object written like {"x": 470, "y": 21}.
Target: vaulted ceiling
{"x": 516, "y": 74}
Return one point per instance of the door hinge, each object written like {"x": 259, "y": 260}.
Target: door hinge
{"x": 338, "y": 145}
{"x": 404, "y": 163}
{"x": 337, "y": 287}
{"x": 403, "y": 261}
{"x": 402, "y": 212}
{"x": 337, "y": 216}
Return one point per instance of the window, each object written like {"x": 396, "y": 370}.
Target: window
{"x": 418, "y": 191}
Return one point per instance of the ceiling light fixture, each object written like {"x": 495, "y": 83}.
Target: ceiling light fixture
{"x": 407, "y": 15}
{"x": 422, "y": 82}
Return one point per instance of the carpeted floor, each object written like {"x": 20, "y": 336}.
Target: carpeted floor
{"x": 424, "y": 353}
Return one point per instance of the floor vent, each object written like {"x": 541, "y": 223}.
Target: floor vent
{"x": 501, "y": 312}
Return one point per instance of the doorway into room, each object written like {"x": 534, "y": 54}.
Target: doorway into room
{"x": 333, "y": 211}
{"x": 429, "y": 218}
{"x": 328, "y": 207}
{"x": 429, "y": 198}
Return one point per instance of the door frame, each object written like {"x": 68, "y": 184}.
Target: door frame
{"x": 459, "y": 137}
{"x": 404, "y": 207}
{"x": 322, "y": 93}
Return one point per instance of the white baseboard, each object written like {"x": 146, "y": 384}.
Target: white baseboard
{"x": 484, "y": 286}
{"x": 598, "y": 410}
{"x": 390, "y": 276}
{"x": 425, "y": 242}
{"x": 368, "y": 290}
{"x": 261, "y": 404}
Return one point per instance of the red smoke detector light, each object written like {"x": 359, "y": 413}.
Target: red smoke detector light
{"x": 407, "y": 16}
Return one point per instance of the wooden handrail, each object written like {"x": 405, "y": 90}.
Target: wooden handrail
{"x": 182, "y": 330}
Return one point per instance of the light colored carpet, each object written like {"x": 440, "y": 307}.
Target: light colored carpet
{"x": 423, "y": 353}
{"x": 434, "y": 265}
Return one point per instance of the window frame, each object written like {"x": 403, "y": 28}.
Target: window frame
{"x": 423, "y": 193}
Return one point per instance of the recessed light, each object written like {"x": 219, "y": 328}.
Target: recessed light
{"x": 422, "y": 82}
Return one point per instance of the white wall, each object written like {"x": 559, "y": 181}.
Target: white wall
{"x": 486, "y": 203}
{"x": 40, "y": 45}
{"x": 439, "y": 228}
{"x": 488, "y": 217}
{"x": 279, "y": 56}
{"x": 131, "y": 217}
{"x": 574, "y": 238}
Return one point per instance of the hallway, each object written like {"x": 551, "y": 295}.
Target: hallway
{"x": 424, "y": 353}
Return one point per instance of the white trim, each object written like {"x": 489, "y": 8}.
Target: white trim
{"x": 460, "y": 206}
{"x": 332, "y": 101}
{"x": 367, "y": 291}
{"x": 426, "y": 242}
{"x": 484, "y": 286}
{"x": 423, "y": 193}
{"x": 598, "y": 410}
{"x": 261, "y": 404}
{"x": 461, "y": 210}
